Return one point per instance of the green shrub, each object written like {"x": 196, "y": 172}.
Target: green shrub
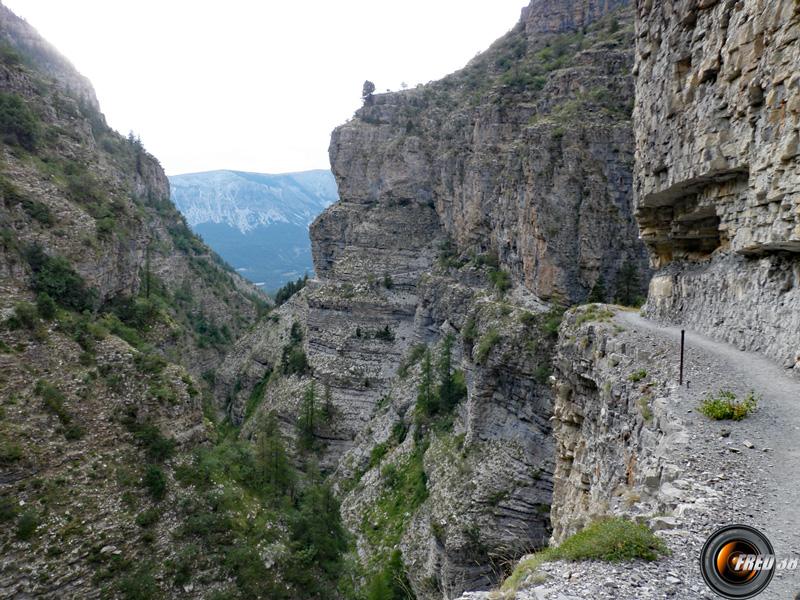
{"x": 9, "y": 452}
{"x": 414, "y": 354}
{"x": 644, "y": 406}
{"x": 294, "y": 360}
{"x": 27, "y": 524}
{"x": 150, "y": 362}
{"x": 613, "y": 540}
{"x": 155, "y": 482}
{"x": 725, "y": 406}
{"x": 104, "y": 226}
{"x": 610, "y": 540}
{"x": 552, "y": 320}
{"x": 18, "y": 124}
{"x": 637, "y": 376}
{"x": 148, "y": 517}
{"x": 391, "y": 582}
{"x": 469, "y": 332}
{"x": 46, "y": 306}
{"x": 542, "y": 373}
{"x": 25, "y": 315}
{"x": 55, "y": 277}
{"x": 501, "y": 280}
{"x": 159, "y": 447}
{"x": 489, "y": 340}
{"x": 385, "y": 334}
{"x": 54, "y": 401}
{"x": 377, "y": 454}
{"x": 8, "y": 509}
{"x": 594, "y": 312}
{"x": 140, "y": 585}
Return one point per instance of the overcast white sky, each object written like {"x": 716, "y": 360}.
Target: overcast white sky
{"x": 256, "y": 85}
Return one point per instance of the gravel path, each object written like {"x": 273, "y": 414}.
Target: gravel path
{"x": 768, "y": 494}
{"x": 722, "y": 480}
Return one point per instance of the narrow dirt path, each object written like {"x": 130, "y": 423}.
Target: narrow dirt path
{"x": 765, "y": 479}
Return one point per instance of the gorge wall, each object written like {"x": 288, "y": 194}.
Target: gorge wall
{"x": 716, "y": 186}
{"x": 718, "y": 167}
{"x": 470, "y": 209}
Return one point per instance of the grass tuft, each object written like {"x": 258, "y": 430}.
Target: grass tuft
{"x": 610, "y": 540}
{"x": 725, "y": 406}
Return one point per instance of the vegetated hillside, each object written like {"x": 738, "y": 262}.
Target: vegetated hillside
{"x": 414, "y": 371}
{"x": 257, "y": 222}
{"x": 114, "y": 479}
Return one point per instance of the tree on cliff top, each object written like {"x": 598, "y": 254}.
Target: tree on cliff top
{"x": 367, "y": 91}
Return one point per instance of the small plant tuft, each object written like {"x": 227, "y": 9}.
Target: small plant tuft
{"x": 637, "y": 376}
{"x": 725, "y": 406}
{"x": 610, "y": 540}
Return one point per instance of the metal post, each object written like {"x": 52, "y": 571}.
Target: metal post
{"x": 683, "y": 336}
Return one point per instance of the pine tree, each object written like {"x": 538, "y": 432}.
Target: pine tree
{"x": 628, "y": 284}
{"x": 274, "y": 470}
{"x": 328, "y": 409}
{"x": 446, "y": 383}
{"x": 425, "y": 391}
{"x": 598, "y": 293}
{"x": 307, "y": 421}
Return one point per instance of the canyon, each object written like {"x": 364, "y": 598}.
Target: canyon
{"x": 467, "y": 379}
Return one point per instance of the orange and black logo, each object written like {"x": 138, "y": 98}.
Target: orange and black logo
{"x": 737, "y": 562}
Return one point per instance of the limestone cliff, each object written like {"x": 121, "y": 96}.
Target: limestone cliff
{"x": 717, "y": 116}
{"x": 469, "y": 209}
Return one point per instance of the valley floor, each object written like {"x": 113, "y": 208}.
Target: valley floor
{"x": 719, "y": 479}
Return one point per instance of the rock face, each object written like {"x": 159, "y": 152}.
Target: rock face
{"x": 465, "y": 206}
{"x": 536, "y": 169}
{"x": 613, "y": 430}
{"x": 718, "y": 175}
{"x": 23, "y": 39}
{"x": 561, "y": 16}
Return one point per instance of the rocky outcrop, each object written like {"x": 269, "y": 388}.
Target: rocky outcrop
{"x": 613, "y": 427}
{"x": 718, "y": 168}
{"x": 534, "y": 167}
{"x": 562, "y": 16}
{"x": 465, "y": 206}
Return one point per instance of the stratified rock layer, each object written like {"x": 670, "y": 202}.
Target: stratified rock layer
{"x": 718, "y": 174}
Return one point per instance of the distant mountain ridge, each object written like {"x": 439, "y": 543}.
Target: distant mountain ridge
{"x": 245, "y": 200}
{"x": 258, "y": 222}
